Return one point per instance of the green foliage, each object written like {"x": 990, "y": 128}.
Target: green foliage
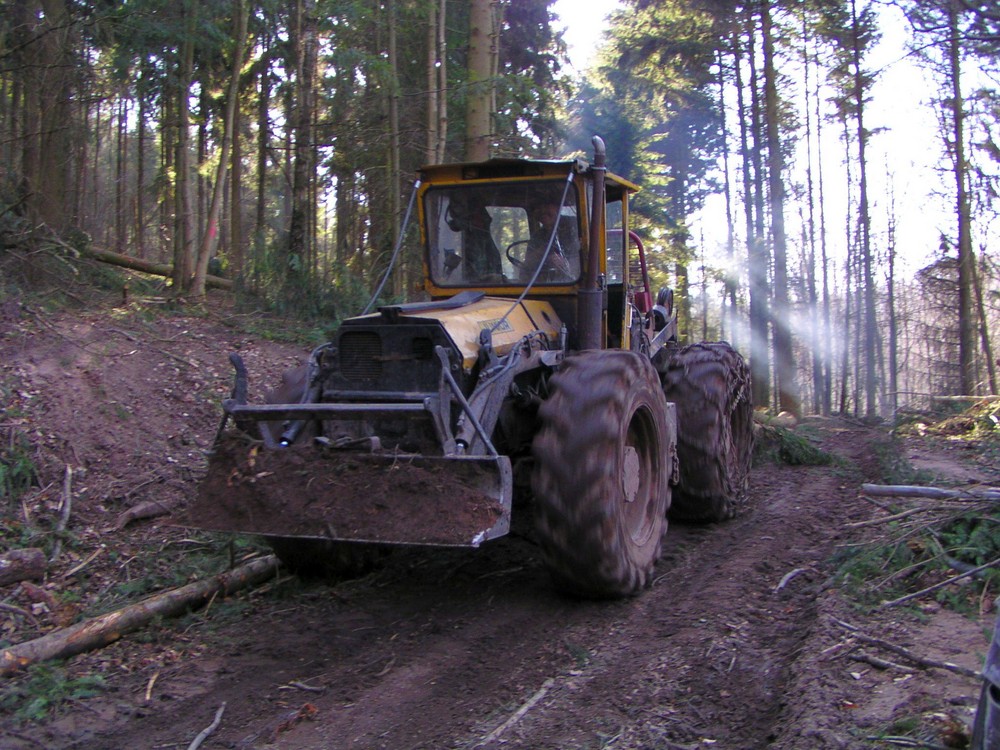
{"x": 904, "y": 725}
{"x": 779, "y": 445}
{"x": 17, "y": 466}
{"x": 278, "y": 284}
{"x": 893, "y": 466}
{"x": 972, "y": 538}
{"x": 43, "y": 689}
{"x": 203, "y": 555}
{"x": 222, "y": 612}
{"x": 655, "y": 104}
{"x": 15, "y": 535}
{"x": 581, "y": 656}
{"x": 859, "y": 567}
{"x": 911, "y": 554}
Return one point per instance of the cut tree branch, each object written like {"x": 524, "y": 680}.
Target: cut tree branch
{"x": 920, "y": 661}
{"x": 938, "y": 493}
{"x": 204, "y": 734}
{"x": 941, "y": 584}
{"x": 104, "y": 629}
{"x": 67, "y": 507}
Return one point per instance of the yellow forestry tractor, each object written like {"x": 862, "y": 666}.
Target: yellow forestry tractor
{"x": 539, "y": 380}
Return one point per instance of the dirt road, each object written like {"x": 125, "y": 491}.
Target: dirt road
{"x": 733, "y": 646}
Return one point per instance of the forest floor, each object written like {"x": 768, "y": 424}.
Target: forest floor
{"x": 741, "y": 642}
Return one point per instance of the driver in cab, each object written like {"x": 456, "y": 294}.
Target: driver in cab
{"x": 563, "y": 261}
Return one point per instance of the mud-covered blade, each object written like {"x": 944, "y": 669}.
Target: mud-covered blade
{"x": 316, "y": 492}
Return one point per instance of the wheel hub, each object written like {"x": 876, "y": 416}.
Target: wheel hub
{"x": 631, "y": 474}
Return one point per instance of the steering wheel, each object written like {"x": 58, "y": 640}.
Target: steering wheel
{"x": 516, "y": 262}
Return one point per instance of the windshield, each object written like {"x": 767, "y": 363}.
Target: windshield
{"x": 495, "y": 235}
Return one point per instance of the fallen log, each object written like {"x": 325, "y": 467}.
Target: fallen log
{"x": 966, "y": 398}
{"x": 25, "y": 564}
{"x": 937, "y": 493}
{"x": 104, "y": 629}
{"x": 145, "y": 266}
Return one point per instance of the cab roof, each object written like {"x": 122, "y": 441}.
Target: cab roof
{"x": 511, "y": 168}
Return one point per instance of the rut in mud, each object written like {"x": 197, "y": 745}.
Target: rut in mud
{"x": 439, "y": 649}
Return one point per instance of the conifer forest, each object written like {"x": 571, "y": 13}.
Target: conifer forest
{"x": 270, "y": 147}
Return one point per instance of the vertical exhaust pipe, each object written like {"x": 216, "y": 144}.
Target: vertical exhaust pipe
{"x": 590, "y": 298}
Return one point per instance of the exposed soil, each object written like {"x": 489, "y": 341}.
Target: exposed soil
{"x": 316, "y": 491}
{"x": 736, "y": 645}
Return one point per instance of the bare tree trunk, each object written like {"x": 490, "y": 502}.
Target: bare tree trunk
{"x": 236, "y": 242}
{"x": 683, "y": 299}
{"x": 210, "y": 237}
{"x": 140, "y": 171}
{"x": 757, "y": 256}
{"x": 437, "y": 82}
{"x": 704, "y": 292}
{"x": 827, "y": 347}
{"x": 891, "y": 302}
{"x": 478, "y": 129}
{"x": 82, "y": 158}
{"x": 121, "y": 158}
{"x": 26, "y": 563}
{"x": 313, "y": 256}
{"x": 95, "y": 167}
{"x": 433, "y": 94}
{"x": 848, "y": 278}
{"x": 184, "y": 212}
{"x": 816, "y": 341}
{"x": 399, "y": 272}
{"x": 859, "y": 317}
{"x": 55, "y": 46}
{"x": 864, "y": 218}
{"x": 146, "y": 266}
{"x": 732, "y": 278}
{"x": 442, "y": 81}
{"x": 966, "y": 338}
{"x": 299, "y": 239}
{"x": 784, "y": 358}
{"x": 7, "y": 106}
{"x": 984, "y": 334}
{"x": 263, "y": 141}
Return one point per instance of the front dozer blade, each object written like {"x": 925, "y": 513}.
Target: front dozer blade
{"x": 321, "y": 493}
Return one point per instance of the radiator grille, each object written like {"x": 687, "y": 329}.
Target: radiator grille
{"x": 423, "y": 347}
{"x": 360, "y": 355}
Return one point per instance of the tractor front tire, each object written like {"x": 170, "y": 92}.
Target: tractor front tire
{"x": 601, "y": 479}
{"x": 710, "y": 385}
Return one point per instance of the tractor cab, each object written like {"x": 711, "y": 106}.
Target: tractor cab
{"x": 513, "y": 226}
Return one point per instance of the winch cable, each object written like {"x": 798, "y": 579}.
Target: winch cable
{"x": 395, "y": 252}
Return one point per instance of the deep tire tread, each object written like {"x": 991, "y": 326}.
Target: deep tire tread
{"x": 577, "y": 479}
{"x": 710, "y": 385}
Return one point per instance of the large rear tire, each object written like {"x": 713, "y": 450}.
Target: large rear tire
{"x": 710, "y": 384}
{"x": 603, "y": 462}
